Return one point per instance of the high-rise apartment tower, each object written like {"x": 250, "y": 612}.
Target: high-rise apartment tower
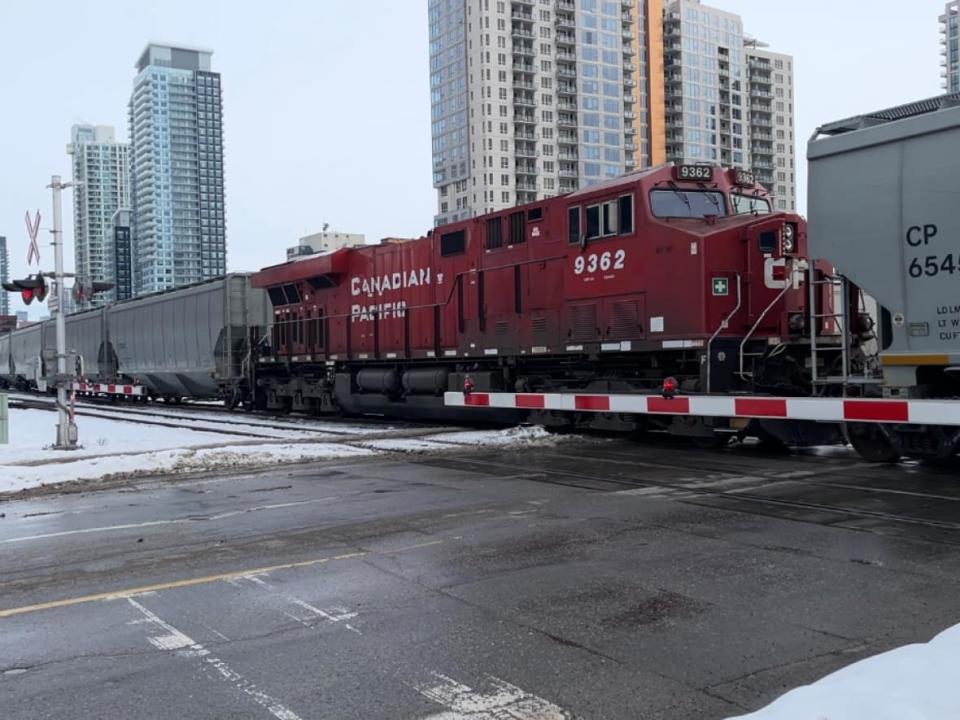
{"x": 950, "y": 46}
{"x": 771, "y": 122}
{"x": 729, "y": 100}
{"x": 534, "y": 99}
{"x": 101, "y": 174}
{"x": 176, "y": 169}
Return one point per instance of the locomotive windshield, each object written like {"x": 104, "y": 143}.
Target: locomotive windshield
{"x": 687, "y": 203}
{"x": 743, "y": 204}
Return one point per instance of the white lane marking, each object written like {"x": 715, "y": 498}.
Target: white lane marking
{"x": 175, "y": 521}
{"x": 335, "y": 615}
{"x": 187, "y": 647}
{"x": 502, "y": 701}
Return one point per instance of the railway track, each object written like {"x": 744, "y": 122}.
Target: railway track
{"x": 902, "y": 501}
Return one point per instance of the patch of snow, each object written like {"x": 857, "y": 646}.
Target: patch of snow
{"x": 112, "y": 448}
{"x": 33, "y": 431}
{"x": 914, "y": 682}
{"x": 439, "y": 442}
{"x": 14, "y": 478}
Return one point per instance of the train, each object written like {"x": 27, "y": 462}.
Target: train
{"x": 673, "y": 299}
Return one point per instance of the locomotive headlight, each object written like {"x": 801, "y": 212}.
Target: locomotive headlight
{"x": 789, "y": 239}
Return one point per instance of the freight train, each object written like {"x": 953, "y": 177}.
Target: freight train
{"x": 673, "y": 299}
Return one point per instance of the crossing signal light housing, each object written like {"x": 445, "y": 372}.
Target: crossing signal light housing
{"x": 30, "y": 289}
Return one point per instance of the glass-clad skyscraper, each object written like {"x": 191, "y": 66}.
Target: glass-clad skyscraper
{"x": 176, "y": 168}
{"x": 101, "y": 188}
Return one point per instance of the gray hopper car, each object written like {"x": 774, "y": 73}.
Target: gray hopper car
{"x": 884, "y": 193}
{"x": 188, "y": 342}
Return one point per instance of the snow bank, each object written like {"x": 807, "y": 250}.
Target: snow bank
{"x": 14, "y": 478}
{"x": 33, "y": 431}
{"x": 914, "y": 682}
{"x": 529, "y": 436}
{"x": 113, "y": 448}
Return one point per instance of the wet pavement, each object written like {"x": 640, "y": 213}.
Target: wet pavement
{"x": 600, "y": 579}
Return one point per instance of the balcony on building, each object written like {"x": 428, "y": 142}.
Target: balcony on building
{"x": 522, "y": 50}
{"x": 524, "y": 118}
{"x": 565, "y": 22}
{"x": 569, "y": 171}
{"x": 566, "y": 55}
{"x": 519, "y": 31}
{"x": 527, "y": 185}
{"x": 566, "y": 120}
{"x": 524, "y": 99}
{"x": 522, "y": 15}
{"x": 568, "y": 156}
{"x": 566, "y": 89}
{"x": 566, "y": 39}
{"x": 527, "y": 68}
{"x": 567, "y": 138}
{"x": 526, "y": 150}
{"x": 566, "y": 71}
{"x": 520, "y": 84}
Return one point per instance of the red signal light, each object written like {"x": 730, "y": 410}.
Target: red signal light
{"x": 670, "y": 386}
{"x": 27, "y": 296}
{"x": 779, "y": 272}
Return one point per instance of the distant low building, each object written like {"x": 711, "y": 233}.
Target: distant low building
{"x": 22, "y": 318}
{"x": 324, "y": 242}
{"x": 8, "y": 322}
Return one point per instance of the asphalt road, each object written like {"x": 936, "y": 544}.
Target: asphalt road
{"x": 588, "y": 580}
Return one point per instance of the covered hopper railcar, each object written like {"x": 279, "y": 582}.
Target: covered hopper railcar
{"x": 191, "y": 342}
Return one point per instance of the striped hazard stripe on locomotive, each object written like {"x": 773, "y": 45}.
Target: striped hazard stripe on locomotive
{"x": 109, "y": 389}
{"x": 917, "y": 412}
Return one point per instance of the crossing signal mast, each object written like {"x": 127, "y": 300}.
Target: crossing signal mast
{"x": 35, "y": 288}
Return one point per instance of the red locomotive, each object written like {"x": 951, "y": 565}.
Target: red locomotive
{"x": 680, "y": 272}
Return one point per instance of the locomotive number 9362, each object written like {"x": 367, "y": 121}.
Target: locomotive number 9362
{"x": 599, "y": 261}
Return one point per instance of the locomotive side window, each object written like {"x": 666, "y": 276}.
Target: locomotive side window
{"x": 687, "y": 204}
{"x": 593, "y": 222}
{"x": 626, "y": 215}
{"x": 276, "y": 296}
{"x": 293, "y": 297}
{"x": 517, "y": 228}
{"x": 453, "y": 243}
{"x": 745, "y": 204}
{"x": 534, "y": 214}
{"x": 610, "y": 218}
{"x": 494, "y": 237}
{"x": 573, "y": 225}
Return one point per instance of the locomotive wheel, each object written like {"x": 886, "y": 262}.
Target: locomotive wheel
{"x": 872, "y": 442}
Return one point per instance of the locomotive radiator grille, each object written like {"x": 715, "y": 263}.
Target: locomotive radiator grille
{"x": 584, "y": 322}
{"x": 624, "y": 319}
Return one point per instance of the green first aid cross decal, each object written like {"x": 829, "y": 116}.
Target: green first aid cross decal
{"x": 721, "y": 286}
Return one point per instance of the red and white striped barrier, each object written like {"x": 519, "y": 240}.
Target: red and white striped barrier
{"x": 913, "y": 412}
{"x": 110, "y": 389}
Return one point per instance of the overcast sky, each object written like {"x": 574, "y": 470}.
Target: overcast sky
{"x": 326, "y": 102}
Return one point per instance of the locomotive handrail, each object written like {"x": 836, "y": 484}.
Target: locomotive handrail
{"x": 786, "y": 288}
{"x": 724, "y": 324}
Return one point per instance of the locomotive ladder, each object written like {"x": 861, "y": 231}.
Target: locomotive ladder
{"x": 839, "y": 285}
